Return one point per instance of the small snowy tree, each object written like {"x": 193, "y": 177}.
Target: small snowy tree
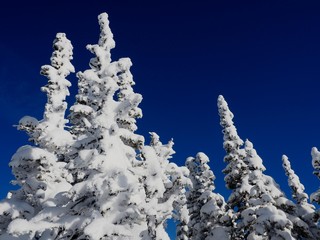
{"x": 164, "y": 184}
{"x": 315, "y": 197}
{"x": 266, "y": 209}
{"x": 206, "y": 208}
{"x": 304, "y": 209}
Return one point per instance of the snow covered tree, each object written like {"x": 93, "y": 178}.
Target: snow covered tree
{"x": 206, "y": 208}
{"x": 164, "y": 184}
{"x": 88, "y": 181}
{"x": 39, "y": 171}
{"x": 106, "y": 199}
{"x": 232, "y": 145}
{"x": 304, "y": 209}
{"x": 315, "y": 197}
{"x": 98, "y": 89}
{"x": 49, "y": 133}
{"x": 108, "y": 191}
{"x": 297, "y": 188}
{"x": 96, "y": 179}
{"x": 262, "y": 205}
{"x": 262, "y": 210}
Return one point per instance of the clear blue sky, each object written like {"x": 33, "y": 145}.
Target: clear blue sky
{"x": 263, "y": 56}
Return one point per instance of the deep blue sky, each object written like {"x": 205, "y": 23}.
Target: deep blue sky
{"x": 263, "y": 56}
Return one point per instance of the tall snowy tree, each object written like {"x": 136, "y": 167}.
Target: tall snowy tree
{"x": 49, "y": 133}
{"x": 107, "y": 198}
{"x": 232, "y": 145}
{"x": 262, "y": 210}
{"x": 108, "y": 192}
{"x": 207, "y": 209}
{"x": 39, "y": 171}
{"x": 89, "y": 183}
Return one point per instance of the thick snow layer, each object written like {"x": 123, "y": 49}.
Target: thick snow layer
{"x": 28, "y": 121}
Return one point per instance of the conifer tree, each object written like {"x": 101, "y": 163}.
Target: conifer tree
{"x": 266, "y": 209}
{"x": 108, "y": 191}
{"x": 39, "y": 171}
{"x": 262, "y": 210}
{"x": 232, "y": 144}
{"x": 206, "y": 208}
{"x": 315, "y": 197}
{"x": 49, "y": 133}
{"x": 164, "y": 184}
{"x": 304, "y": 209}
{"x": 92, "y": 185}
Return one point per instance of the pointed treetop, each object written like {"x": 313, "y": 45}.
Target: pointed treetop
{"x": 106, "y": 37}
{"x": 229, "y": 131}
{"x": 316, "y": 161}
{"x": 294, "y": 182}
{"x": 62, "y": 55}
{"x": 57, "y": 87}
{"x": 104, "y": 46}
{"x": 232, "y": 145}
{"x": 60, "y": 61}
{"x": 199, "y": 170}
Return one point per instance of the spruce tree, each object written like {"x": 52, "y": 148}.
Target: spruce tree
{"x": 232, "y": 144}
{"x": 92, "y": 184}
{"x": 50, "y": 132}
{"x": 315, "y": 197}
{"x": 206, "y": 208}
{"x": 40, "y": 171}
{"x": 304, "y": 209}
{"x": 108, "y": 190}
{"x": 164, "y": 184}
{"x": 262, "y": 210}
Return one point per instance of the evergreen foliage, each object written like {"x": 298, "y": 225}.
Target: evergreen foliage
{"x": 207, "y": 209}
{"x": 91, "y": 176}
